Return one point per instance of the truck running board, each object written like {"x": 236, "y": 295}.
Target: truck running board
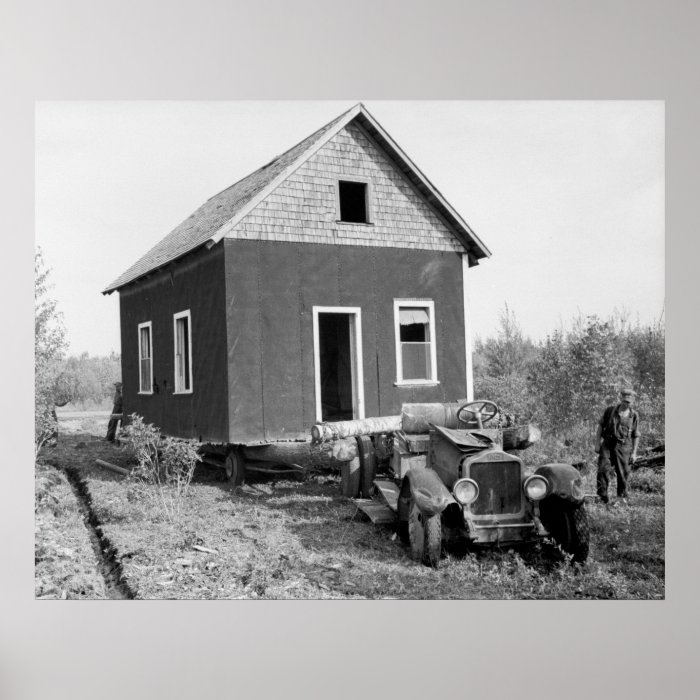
{"x": 378, "y": 513}
{"x": 388, "y": 492}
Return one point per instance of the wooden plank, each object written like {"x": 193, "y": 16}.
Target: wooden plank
{"x": 112, "y": 467}
{"x": 389, "y": 491}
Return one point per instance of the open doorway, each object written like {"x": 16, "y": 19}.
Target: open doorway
{"x": 337, "y": 363}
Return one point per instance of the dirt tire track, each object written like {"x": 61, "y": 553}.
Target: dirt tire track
{"x": 107, "y": 555}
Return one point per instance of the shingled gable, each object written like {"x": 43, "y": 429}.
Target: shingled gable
{"x": 222, "y": 213}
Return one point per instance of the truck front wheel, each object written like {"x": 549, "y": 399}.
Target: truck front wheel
{"x": 567, "y": 523}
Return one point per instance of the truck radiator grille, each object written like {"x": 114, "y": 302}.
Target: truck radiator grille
{"x": 499, "y": 488}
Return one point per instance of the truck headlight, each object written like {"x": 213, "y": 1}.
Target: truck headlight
{"x": 465, "y": 491}
{"x": 535, "y": 487}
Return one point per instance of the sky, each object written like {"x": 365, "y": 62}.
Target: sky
{"x": 567, "y": 195}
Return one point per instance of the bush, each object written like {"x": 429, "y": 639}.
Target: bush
{"x": 165, "y": 465}
{"x": 564, "y": 383}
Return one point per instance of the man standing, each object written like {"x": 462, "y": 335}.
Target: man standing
{"x": 617, "y": 439}
{"x": 116, "y": 409}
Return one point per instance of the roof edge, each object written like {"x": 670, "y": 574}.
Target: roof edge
{"x": 274, "y": 184}
{"x": 426, "y": 182}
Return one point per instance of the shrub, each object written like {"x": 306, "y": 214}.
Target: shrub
{"x": 165, "y": 465}
{"x": 649, "y": 480}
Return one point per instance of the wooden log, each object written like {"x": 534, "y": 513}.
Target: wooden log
{"x": 344, "y": 450}
{"x": 324, "y": 432}
{"x": 655, "y": 461}
{"x": 417, "y": 417}
{"x": 113, "y": 467}
{"x": 302, "y": 454}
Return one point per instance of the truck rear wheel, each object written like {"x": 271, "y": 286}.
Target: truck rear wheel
{"x": 368, "y": 464}
{"x": 424, "y": 536}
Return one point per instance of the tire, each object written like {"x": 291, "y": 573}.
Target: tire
{"x": 424, "y": 537}
{"x": 350, "y": 478}
{"x": 235, "y": 466}
{"x": 567, "y": 523}
{"x": 368, "y": 465}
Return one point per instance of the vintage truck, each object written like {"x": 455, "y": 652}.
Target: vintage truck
{"x": 456, "y": 481}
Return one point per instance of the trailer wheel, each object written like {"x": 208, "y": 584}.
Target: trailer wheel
{"x": 424, "y": 536}
{"x": 368, "y": 464}
{"x": 235, "y": 466}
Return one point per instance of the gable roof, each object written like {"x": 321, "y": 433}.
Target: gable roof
{"x": 220, "y": 214}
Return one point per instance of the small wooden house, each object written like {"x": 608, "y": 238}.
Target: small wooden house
{"x": 329, "y": 284}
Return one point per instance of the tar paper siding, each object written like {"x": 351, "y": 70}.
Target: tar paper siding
{"x": 196, "y": 284}
{"x": 271, "y": 289}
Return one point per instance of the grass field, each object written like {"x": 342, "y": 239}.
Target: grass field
{"x": 285, "y": 539}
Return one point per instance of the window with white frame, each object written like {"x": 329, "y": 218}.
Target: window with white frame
{"x": 145, "y": 358}
{"x": 416, "y": 356}
{"x": 354, "y": 201}
{"x": 182, "y": 329}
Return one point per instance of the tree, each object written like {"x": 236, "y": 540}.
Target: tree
{"x": 49, "y": 346}
{"x": 501, "y": 368}
{"x": 509, "y": 352}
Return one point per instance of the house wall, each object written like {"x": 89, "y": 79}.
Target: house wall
{"x": 271, "y": 289}
{"x": 196, "y": 284}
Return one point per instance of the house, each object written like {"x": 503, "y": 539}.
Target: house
{"x": 329, "y": 284}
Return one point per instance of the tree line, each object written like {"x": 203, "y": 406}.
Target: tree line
{"x": 564, "y": 382}
{"x": 84, "y": 382}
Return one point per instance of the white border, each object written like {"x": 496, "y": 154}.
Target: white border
{"x": 468, "y": 333}
{"x": 426, "y": 304}
{"x": 149, "y": 325}
{"x": 358, "y": 383}
{"x": 182, "y": 314}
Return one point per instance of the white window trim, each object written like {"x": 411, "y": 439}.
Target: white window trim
{"x": 183, "y": 314}
{"x": 429, "y": 305}
{"x": 149, "y": 325}
{"x": 368, "y": 200}
{"x": 358, "y": 387}
{"x": 468, "y": 339}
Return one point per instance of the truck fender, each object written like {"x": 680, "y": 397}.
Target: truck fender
{"x": 565, "y": 482}
{"x": 427, "y": 490}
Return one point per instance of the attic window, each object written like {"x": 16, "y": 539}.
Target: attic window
{"x": 353, "y": 201}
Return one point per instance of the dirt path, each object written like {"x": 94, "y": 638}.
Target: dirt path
{"x": 73, "y": 558}
{"x": 105, "y": 553}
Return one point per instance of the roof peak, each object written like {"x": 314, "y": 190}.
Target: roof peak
{"x": 221, "y": 213}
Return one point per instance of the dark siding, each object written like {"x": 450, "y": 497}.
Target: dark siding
{"x": 196, "y": 284}
{"x": 243, "y": 318}
{"x": 281, "y": 342}
{"x": 271, "y": 291}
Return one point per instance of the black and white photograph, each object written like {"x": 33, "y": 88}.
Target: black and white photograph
{"x": 384, "y": 350}
{"x": 343, "y": 346}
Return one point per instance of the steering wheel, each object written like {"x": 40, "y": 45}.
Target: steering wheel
{"x": 480, "y": 411}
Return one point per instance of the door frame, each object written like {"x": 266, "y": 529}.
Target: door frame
{"x": 358, "y": 388}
